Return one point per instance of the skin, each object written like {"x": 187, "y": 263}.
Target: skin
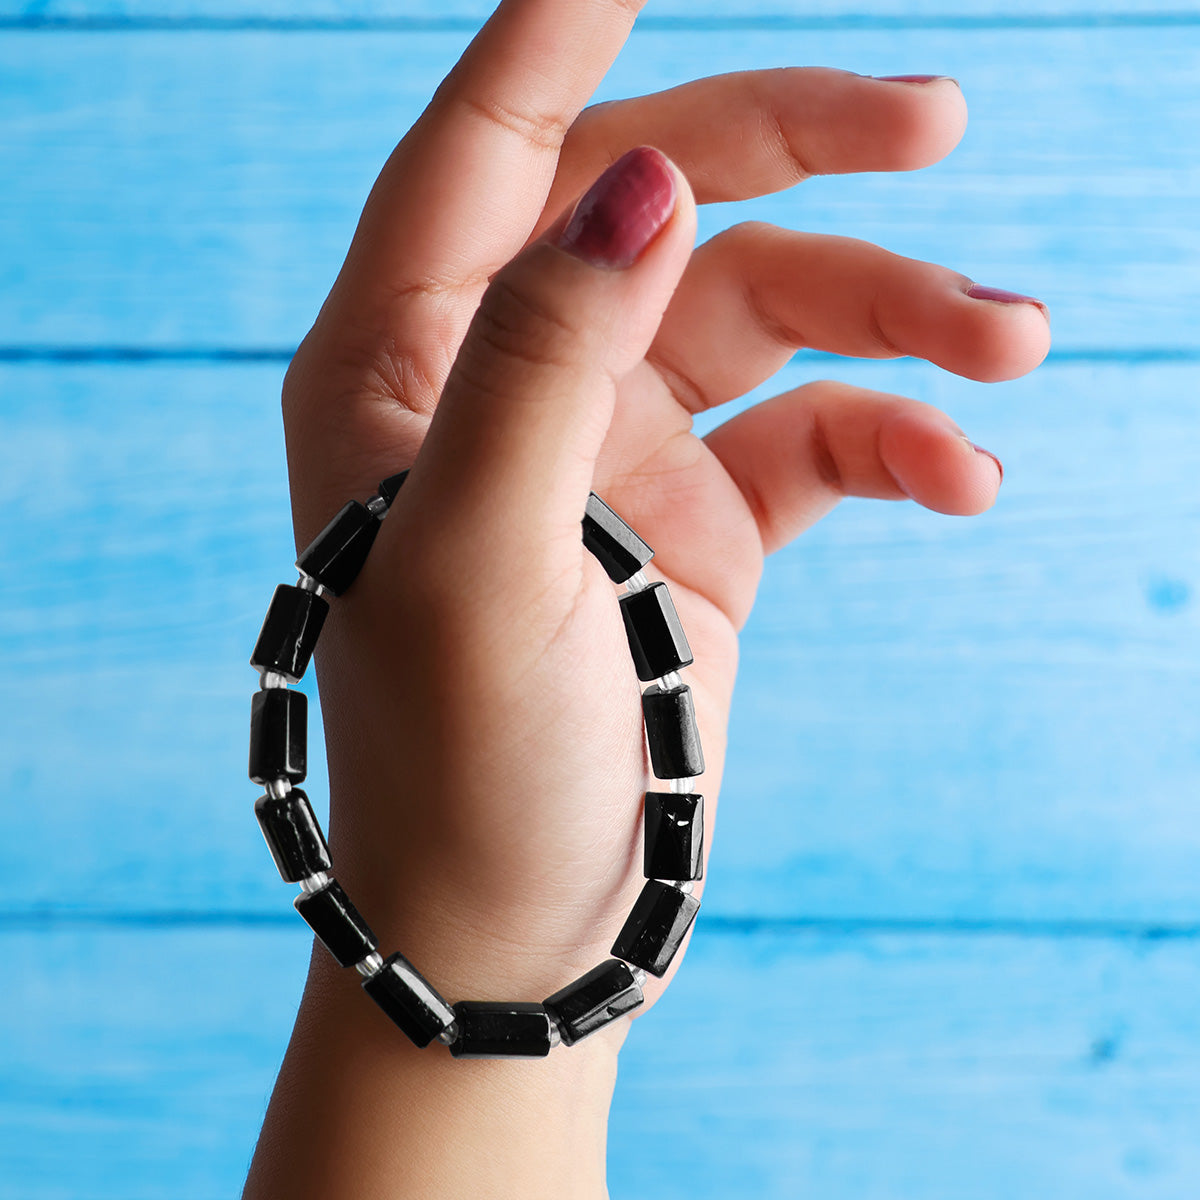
{"x": 482, "y": 719}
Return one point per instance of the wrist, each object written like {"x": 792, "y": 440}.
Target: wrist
{"x": 360, "y": 1111}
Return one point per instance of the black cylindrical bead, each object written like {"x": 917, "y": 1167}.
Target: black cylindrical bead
{"x": 674, "y": 843}
{"x": 390, "y": 487}
{"x": 656, "y": 927}
{"x": 593, "y": 1000}
{"x": 289, "y": 632}
{"x": 620, "y": 551}
{"x": 656, "y": 638}
{"x": 409, "y": 999}
{"x": 336, "y": 555}
{"x": 278, "y": 735}
{"x": 333, "y": 918}
{"x": 501, "y": 1029}
{"x": 671, "y": 732}
{"x": 293, "y": 835}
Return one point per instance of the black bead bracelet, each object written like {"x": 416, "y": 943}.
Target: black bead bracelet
{"x": 674, "y": 820}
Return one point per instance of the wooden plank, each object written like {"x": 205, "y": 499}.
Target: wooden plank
{"x": 200, "y": 191}
{"x": 895, "y": 1067}
{"x": 936, "y": 718}
{"x": 137, "y": 1064}
{"x": 702, "y": 13}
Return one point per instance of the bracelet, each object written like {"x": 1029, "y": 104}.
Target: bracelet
{"x": 674, "y": 820}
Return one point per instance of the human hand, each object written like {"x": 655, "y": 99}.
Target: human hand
{"x": 482, "y": 719}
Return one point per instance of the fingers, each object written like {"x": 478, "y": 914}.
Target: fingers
{"x": 509, "y": 457}
{"x": 755, "y": 293}
{"x": 462, "y": 190}
{"x": 793, "y": 457}
{"x": 749, "y": 133}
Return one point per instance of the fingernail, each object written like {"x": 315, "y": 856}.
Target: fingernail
{"x": 913, "y": 78}
{"x": 979, "y": 291}
{"x": 999, "y": 464}
{"x": 619, "y": 215}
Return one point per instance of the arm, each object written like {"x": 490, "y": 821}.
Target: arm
{"x": 481, "y": 717}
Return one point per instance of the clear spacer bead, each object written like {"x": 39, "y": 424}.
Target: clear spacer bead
{"x": 449, "y": 1034}
{"x": 377, "y": 506}
{"x": 639, "y": 976}
{"x": 306, "y": 583}
{"x": 686, "y": 886}
{"x": 278, "y": 788}
{"x": 555, "y": 1033}
{"x": 637, "y": 582}
{"x": 315, "y": 883}
{"x": 681, "y": 787}
{"x": 272, "y": 679}
{"x": 669, "y": 681}
{"x": 369, "y": 965}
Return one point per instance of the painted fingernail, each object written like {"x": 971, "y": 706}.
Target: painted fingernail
{"x": 979, "y": 291}
{"x": 913, "y": 78}
{"x": 620, "y": 214}
{"x": 999, "y": 464}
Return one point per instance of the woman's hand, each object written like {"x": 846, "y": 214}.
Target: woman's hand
{"x": 481, "y": 712}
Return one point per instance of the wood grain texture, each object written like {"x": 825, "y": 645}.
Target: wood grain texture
{"x": 697, "y": 13}
{"x": 938, "y": 718}
{"x": 138, "y": 1063}
{"x": 199, "y": 191}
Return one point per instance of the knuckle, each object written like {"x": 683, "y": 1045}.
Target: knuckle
{"x": 878, "y": 333}
{"x": 515, "y": 325}
{"x": 543, "y": 129}
{"x": 781, "y": 144}
{"x": 824, "y": 460}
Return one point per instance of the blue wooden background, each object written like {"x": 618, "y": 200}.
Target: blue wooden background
{"x": 968, "y": 960}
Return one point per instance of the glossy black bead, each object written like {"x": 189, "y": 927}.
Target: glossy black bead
{"x": 671, "y": 732}
{"x": 409, "y": 999}
{"x": 336, "y": 555}
{"x": 620, "y": 551}
{"x": 278, "y": 735}
{"x": 293, "y": 835}
{"x": 656, "y": 927}
{"x": 656, "y": 638}
{"x": 289, "y": 632}
{"x": 674, "y": 843}
{"x": 390, "y": 487}
{"x": 602, "y": 995}
{"x": 339, "y": 925}
{"x": 500, "y": 1029}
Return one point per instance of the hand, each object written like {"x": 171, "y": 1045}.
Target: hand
{"x": 482, "y": 719}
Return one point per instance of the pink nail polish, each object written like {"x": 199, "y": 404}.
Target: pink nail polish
{"x": 620, "y": 214}
{"x": 999, "y": 464}
{"x": 910, "y": 78}
{"x": 979, "y": 291}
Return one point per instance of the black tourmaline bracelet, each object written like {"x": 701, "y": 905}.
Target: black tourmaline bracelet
{"x": 674, "y": 820}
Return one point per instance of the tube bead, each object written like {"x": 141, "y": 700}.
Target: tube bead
{"x": 671, "y": 732}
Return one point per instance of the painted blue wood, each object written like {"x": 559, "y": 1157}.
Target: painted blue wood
{"x": 889, "y": 1067}
{"x": 199, "y": 191}
{"x": 137, "y": 1064}
{"x": 939, "y": 718}
{"x": 702, "y": 13}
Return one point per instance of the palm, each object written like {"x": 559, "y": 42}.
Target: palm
{"x": 675, "y": 491}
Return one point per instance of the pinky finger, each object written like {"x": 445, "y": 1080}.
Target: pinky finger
{"x": 796, "y": 455}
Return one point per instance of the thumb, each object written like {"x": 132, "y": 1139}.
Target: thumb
{"x": 506, "y": 466}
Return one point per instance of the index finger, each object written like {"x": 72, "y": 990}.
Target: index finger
{"x": 462, "y": 191}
